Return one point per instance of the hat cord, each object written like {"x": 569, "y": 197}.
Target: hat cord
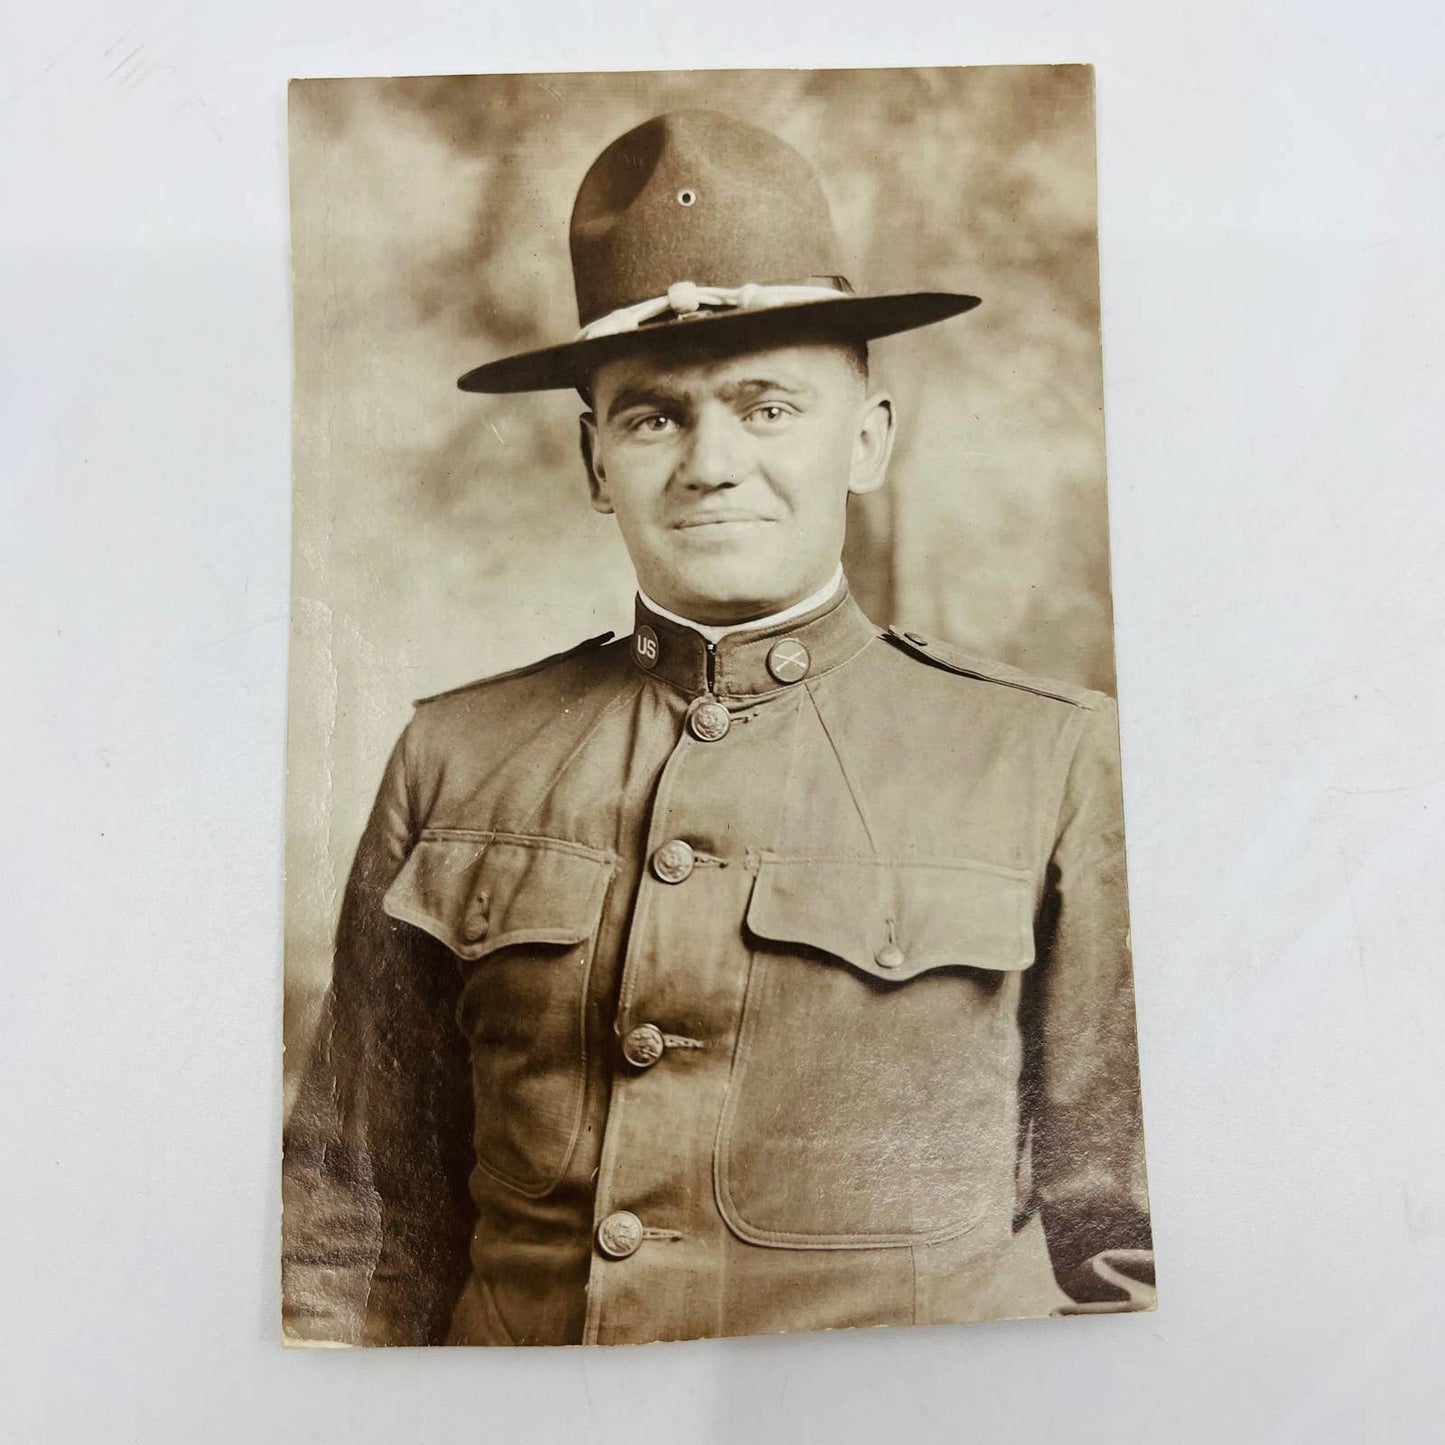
{"x": 685, "y": 298}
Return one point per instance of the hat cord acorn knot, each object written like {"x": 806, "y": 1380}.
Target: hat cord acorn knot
{"x": 683, "y": 298}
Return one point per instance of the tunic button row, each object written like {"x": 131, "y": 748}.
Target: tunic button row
{"x": 643, "y": 1046}
{"x": 619, "y": 1235}
{"x": 709, "y": 721}
{"x": 673, "y": 861}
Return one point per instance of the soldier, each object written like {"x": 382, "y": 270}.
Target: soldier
{"x": 764, "y": 970}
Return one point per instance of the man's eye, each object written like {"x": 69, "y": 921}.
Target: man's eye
{"x": 770, "y": 413}
{"x": 654, "y": 424}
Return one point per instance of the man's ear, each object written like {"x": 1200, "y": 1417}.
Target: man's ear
{"x": 872, "y": 444}
{"x": 596, "y": 477}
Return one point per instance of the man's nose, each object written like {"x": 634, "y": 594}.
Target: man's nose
{"x": 716, "y": 451}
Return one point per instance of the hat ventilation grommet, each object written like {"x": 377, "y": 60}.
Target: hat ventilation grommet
{"x": 686, "y": 196}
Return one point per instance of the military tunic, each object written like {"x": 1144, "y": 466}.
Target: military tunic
{"x": 688, "y": 988}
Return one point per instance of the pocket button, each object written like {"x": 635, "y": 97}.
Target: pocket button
{"x": 889, "y": 956}
{"x": 474, "y": 928}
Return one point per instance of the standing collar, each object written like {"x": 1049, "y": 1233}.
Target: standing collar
{"x": 745, "y": 664}
{"x": 810, "y": 603}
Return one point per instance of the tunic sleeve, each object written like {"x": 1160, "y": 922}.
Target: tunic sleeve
{"x": 376, "y": 1215}
{"x": 1088, "y": 1150}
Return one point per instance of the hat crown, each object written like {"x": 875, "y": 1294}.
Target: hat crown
{"x": 697, "y": 196}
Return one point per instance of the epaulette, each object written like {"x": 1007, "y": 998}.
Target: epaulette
{"x": 955, "y": 659}
{"x": 591, "y": 642}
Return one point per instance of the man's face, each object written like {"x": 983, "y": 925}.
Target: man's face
{"x": 730, "y": 475}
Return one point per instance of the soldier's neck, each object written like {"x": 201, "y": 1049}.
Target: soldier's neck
{"x": 715, "y": 632}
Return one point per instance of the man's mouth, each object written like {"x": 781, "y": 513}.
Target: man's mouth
{"x": 717, "y": 519}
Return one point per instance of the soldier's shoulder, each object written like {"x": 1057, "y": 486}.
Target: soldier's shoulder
{"x": 962, "y": 663}
{"x": 480, "y": 687}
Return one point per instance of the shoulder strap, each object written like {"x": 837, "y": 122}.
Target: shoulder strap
{"x": 966, "y": 664}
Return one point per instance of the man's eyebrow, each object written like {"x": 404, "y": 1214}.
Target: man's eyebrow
{"x": 654, "y": 396}
{"x": 747, "y": 387}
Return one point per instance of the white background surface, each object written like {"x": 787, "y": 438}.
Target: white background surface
{"x": 1272, "y": 209}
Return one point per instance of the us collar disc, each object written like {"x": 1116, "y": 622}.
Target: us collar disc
{"x": 645, "y": 650}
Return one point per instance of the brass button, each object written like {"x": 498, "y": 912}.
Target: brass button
{"x": 645, "y": 650}
{"x": 673, "y": 861}
{"x": 619, "y": 1235}
{"x": 889, "y": 956}
{"x": 788, "y": 661}
{"x": 709, "y": 721}
{"x": 643, "y": 1046}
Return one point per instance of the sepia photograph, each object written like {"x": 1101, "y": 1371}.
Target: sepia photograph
{"x": 673, "y": 673}
{"x": 706, "y": 905}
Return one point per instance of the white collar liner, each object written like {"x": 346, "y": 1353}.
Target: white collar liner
{"x": 716, "y": 634}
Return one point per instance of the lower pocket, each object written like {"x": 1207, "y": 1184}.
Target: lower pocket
{"x": 864, "y": 1112}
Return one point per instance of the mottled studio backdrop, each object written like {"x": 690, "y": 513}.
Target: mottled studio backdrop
{"x": 440, "y": 537}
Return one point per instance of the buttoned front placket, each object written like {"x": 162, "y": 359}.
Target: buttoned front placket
{"x": 678, "y": 1014}
{"x": 658, "y": 1240}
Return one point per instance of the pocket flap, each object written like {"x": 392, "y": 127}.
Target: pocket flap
{"x": 896, "y": 920}
{"x": 478, "y": 892}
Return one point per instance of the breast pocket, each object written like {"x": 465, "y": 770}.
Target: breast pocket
{"x": 873, "y": 1099}
{"x": 520, "y": 916}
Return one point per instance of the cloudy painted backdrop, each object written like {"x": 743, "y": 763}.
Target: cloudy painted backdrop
{"x": 440, "y": 537}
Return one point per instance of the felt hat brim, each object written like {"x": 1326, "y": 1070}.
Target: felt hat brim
{"x": 853, "y": 318}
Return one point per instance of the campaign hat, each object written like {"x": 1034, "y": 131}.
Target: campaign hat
{"x": 700, "y": 228}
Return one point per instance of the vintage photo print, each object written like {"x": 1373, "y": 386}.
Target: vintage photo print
{"x": 706, "y": 903}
